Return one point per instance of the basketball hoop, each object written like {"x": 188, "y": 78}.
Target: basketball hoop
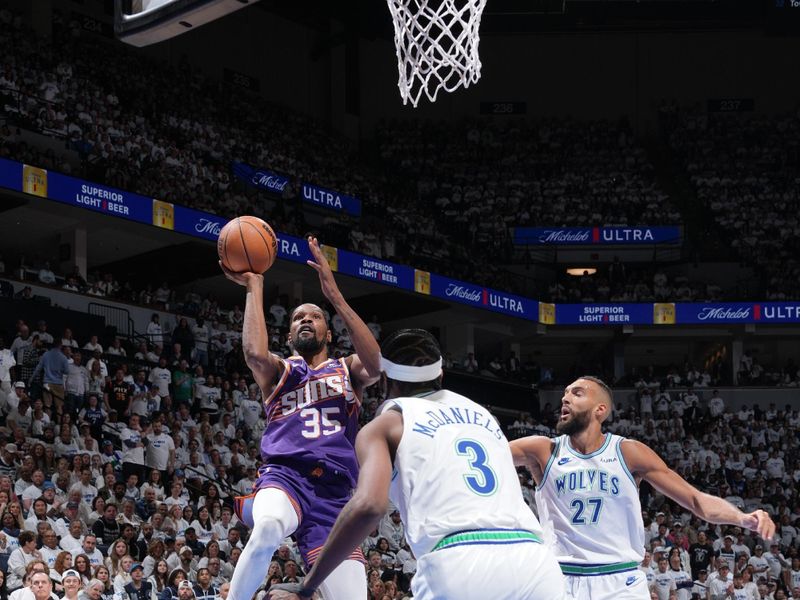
{"x": 437, "y": 45}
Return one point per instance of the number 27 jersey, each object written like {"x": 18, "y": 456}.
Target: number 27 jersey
{"x": 589, "y": 505}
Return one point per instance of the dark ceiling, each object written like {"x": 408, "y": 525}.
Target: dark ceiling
{"x": 370, "y": 18}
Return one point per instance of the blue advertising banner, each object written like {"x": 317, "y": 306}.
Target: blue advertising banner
{"x": 99, "y": 198}
{"x": 481, "y": 297}
{"x": 717, "y": 312}
{"x": 329, "y": 199}
{"x": 777, "y": 312}
{"x": 198, "y": 223}
{"x": 373, "y": 269}
{"x": 207, "y": 226}
{"x": 259, "y": 178}
{"x": 604, "y": 314}
{"x": 127, "y": 205}
{"x": 580, "y": 236}
{"x": 293, "y": 248}
{"x": 11, "y": 174}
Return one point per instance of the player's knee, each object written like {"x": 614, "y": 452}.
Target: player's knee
{"x": 267, "y": 534}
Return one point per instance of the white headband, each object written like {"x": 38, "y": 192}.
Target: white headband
{"x": 409, "y": 373}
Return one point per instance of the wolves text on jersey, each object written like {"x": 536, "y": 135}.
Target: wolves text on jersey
{"x": 587, "y": 480}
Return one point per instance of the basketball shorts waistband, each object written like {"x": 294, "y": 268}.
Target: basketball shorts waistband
{"x": 478, "y": 537}
{"x": 593, "y": 570}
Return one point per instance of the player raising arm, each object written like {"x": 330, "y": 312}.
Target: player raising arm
{"x": 311, "y": 404}
{"x": 587, "y": 492}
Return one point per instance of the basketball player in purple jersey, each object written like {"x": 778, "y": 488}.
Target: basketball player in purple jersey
{"x": 311, "y": 404}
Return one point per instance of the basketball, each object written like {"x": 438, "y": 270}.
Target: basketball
{"x": 247, "y": 244}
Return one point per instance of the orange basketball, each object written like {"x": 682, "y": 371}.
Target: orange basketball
{"x": 247, "y": 244}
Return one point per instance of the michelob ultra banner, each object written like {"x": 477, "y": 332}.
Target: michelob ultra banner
{"x": 609, "y": 236}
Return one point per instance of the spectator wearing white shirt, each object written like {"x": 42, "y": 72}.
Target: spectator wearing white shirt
{"x": 116, "y": 348}
{"x": 202, "y": 336}
{"x": 133, "y": 449}
{"x": 7, "y": 362}
{"x": 720, "y": 587}
{"x": 154, "y": 331}
{"x": 759, "y": 562}
{"x": 716, "y": 405}
{"x": 19, "y": 559}
{"x": 663, "y": 582}
{"x": 160, "y": 452}
{"x": 161, "y": 377}
{"x": 777, "y": 562}
{"x": 72, "y": 540}
{"x": 33, "y": 491}
{"x": 20, "y": 343}
{"x": 85, "y": 487}
{"x": 76, "y": 383}
{"x": 46, "y": 275}
{"x": 278, "y": 313}
{"x": 93, "y": 345}
{"x": 89, "y": 548}
{"x": 776, "y": 468}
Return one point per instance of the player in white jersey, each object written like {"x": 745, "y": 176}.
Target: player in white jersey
{"x": 454, "y": 483}
{"x": 588, "y": 496}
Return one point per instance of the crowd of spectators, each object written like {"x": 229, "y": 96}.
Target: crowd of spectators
{"x": 625, "y": 283}
{"x": 745, "y": 171}
{"x": 120, "y": 463}
{"x": 134, "y": 126}
{"x": 170, "y": 132}
{"x": 124, "y": 468}
{"x": 485, "y": 178}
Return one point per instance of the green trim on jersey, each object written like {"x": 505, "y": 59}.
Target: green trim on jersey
{"x": 572, "y": 569}
{"x": 487, "y": 536}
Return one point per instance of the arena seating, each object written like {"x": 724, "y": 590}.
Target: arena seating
{"x": 745, "y": 171}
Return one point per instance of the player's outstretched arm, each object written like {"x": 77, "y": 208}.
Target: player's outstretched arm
{"x": 365, "y": 364}
{"x": 255, "y": 338}
{"x": 648, "y": 465}
{"x": 375, "y": 446}
{"x": 532, "y": 452}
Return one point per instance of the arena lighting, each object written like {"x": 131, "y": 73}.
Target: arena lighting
{"x": 579, "y": 271}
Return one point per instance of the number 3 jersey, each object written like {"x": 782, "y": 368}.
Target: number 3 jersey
{"x": 589, "y": 507}
{"x": 453, "y": 472}
{"x": 312, "y": 417}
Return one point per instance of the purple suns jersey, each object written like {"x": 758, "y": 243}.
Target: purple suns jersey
{"x": 312, "y": 417}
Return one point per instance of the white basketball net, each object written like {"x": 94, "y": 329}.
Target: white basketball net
{"x": 437, "y": 45}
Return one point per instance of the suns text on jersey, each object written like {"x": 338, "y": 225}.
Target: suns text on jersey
{"x": 315, "y": 390}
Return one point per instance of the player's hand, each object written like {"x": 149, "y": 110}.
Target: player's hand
{"x": 240, "y": 278}
{"x": 323, "y": 269}
{"x": 760, "y": 522}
